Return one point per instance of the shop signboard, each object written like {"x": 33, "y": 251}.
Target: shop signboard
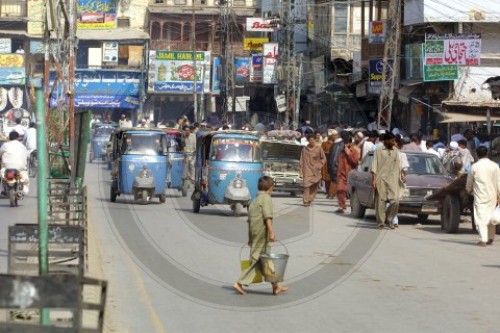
{"x": 5, "y": 45}
{"x": 105, "y": 88}
{"x": 36, "y": 11}
{"x": 375, "y": 75}
{"x": 377, "y": 32}
{"x": 179, "y": 71}
{"x": 440, "y": 72}
{"x": 12, "y": 70}
{"x": 260, "y": 24}
{"x": 254, "y": 44}
{"x": 256, "y": 67}
{"x": 270, "y": 59}
{"x": 97, "y": 14}
{"x": 449, "y": 49}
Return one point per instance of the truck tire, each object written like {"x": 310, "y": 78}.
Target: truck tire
{"x": 357, "y": 210}
{"x": 196, "y": 205}
{"x": 422, "y": 218}
{"x": 238, "y": 207}
{"x": 450, "y": 216}
{"x": 144, "y": 197}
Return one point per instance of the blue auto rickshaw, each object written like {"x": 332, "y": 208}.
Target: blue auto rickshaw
{"x": 228, "y": 166}
{"x": 176, "y": 160}
{"x": 98, "y": 140}
{"x": 140, "y": 164}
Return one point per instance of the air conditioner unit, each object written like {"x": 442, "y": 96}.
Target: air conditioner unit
{"x": 476, "y": 15}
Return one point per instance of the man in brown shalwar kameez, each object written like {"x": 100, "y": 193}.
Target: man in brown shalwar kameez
{"x": 312, "y": 160}
{"x": 387, "y": 181}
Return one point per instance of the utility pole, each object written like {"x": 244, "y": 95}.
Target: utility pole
{"x": 227, "y": 61}
{"x": 193, "y": 48}
{"x": 390, "y": 70}
{"x": 287, "y": 57}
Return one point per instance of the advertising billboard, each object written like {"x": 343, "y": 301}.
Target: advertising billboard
{"x": 376, "y": 32}
{"x": 179, "y": 71}
{"x": 96, "y": 14}
{"x": 242, "y": 66}
{"x": 449, "y": 49}
{"x": 260, "y": 24}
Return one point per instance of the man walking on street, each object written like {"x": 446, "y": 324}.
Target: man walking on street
{"x": 312, "y": 159}
{"x": 387, "y": 181}
{"x": 348, "y": 160}
{"x": 483, "y": 182}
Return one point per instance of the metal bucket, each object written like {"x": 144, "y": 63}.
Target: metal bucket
{"x": 273, "y": 265}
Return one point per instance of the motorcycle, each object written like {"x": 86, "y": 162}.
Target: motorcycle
{"x": 12, "y": 186}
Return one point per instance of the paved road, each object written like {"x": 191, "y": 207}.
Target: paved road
{"x": 171, "y": 270}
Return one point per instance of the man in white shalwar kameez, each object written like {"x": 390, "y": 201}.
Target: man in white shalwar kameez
{"x": 484, "y": 182}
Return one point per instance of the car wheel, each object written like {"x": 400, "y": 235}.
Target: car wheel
{"x": 450, "y": 216}
{"x": 144, "y": 197}
{"x": 357, "y": 210}
{"x": 423, "y": 218}
{"x": 293, "y": 194}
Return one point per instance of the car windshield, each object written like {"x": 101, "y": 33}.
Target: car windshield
{"x": 144, "y": 144}
{"x": 423, "y": 164}
{"x": 235, "y": 150}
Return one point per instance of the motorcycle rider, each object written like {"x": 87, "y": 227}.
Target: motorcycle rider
{"x": 14, "y": 155}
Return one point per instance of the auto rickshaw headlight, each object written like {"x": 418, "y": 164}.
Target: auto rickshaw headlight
{"x": 238, "y": 183}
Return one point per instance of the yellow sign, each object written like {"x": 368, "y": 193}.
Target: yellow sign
{"x": 254, "y": 44}
{"x": 12, "y": 60}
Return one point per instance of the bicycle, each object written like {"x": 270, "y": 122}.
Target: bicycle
{"x": 32, "y": 164}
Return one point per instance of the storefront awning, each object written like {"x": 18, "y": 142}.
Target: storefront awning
{"x": 465, "y": 118}
{"x": 405, "y": 92}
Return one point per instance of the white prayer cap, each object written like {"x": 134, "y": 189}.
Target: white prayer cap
{"x": 453, "y": 145}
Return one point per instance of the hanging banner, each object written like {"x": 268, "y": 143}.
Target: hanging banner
{"x": 256, "y": 68}
{"x": 96, "y": 14}
{"x": 175, "y": 72}
{"x": 377, "y": 32}
{"x": 270, "y": 60}
{"x": 254, "y": 44}
{"x": 449, "y": 49}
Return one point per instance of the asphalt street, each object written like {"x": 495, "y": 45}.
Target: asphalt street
{"x": 170, "y": 270}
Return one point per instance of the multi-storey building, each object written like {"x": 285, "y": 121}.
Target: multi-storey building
{"x": 179, "y": 27}
{"x": 452, "y": 61}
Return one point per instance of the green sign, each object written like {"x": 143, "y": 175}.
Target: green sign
{"x": 440, "y": 72}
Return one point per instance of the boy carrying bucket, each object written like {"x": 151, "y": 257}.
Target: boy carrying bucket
{"x": 260, "y": 232}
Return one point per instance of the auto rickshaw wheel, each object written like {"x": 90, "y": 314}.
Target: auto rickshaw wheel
{"x": 184, "y": 189}
{"x": 91, "y": 158}
{"x": 238, "y": 207}
{"x": 144, "y": 197}
{"x": 293, "y": 194}
{"x": 450, "y": 215}
{"x": 112, "y": 192}
{"x": 163, "y": 198}
{"x": 196, "y": 205}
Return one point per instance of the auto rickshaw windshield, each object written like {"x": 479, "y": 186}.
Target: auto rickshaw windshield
{"x": 235, "y": 150}
{"x": 144, "y": 144}
{"x": 103, "y": 132}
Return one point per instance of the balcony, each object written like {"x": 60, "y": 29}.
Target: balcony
{"x": 13, "y": 10}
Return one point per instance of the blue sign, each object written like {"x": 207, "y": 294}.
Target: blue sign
{"x": 242, "y": 69}
{"x": 215, "y": 76}
{"x": 105, "y": 88}
{"x": 12, "y": 75}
